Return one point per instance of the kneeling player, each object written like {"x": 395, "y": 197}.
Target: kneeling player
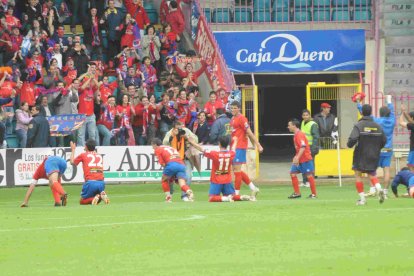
{"x": 406, "y": 178}
{"x": 174, "y": 167}
{"x": 220, "y": 180}
{"x": 93, "y": 190}
{"x": 52, "y": 169}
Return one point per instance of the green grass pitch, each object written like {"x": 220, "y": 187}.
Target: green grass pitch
{"x": 140, "y": 234}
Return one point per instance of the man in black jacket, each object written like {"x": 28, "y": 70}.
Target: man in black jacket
{"x": 326, "y": 124}
{"x": 39, "y": 130}
{"x": 92, "y": 37}
{"x": 369, "y": 139}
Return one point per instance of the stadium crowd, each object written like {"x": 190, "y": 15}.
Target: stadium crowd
{"x": 130, "y": 82}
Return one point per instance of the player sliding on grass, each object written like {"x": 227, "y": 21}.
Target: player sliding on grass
{"x": 406, "y": 178}
{"x": 240, "y": 128}
{"x": 93, "y": 190}
{"x": 52, "y": 169}
{"x": 220, "y": 180}
{"x": 302, "y": 161}
{"x": 174, "y": 167}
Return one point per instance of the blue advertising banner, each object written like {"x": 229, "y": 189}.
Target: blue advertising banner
{"x": 293, "y": 51}
{"x": 62, "y": 125}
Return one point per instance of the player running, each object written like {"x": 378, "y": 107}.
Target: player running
{"x": 220, "y": 179}
{"x": 241, "y": 129}
{"x": 302, "y": 161}
{"x": 52, "y": 169}
{"x": 93, "y": 190}
{"x": 174, "y": 167}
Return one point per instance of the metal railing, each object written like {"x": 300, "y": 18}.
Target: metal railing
{"x": 336, "y": 13}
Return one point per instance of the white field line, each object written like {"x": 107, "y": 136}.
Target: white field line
{"x": 193, "y": 217}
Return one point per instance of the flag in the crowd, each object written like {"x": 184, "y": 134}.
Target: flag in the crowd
{"x": 137, "y": 37}
{"x": 63, "y": 125}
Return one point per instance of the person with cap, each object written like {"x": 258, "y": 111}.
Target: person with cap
{"x": 326, "y": 123}
{"x": 407, "y": 121}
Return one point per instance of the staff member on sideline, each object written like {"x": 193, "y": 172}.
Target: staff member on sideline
{"x": 311, "y": 130}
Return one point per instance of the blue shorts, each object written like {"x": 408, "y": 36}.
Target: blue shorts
{"x": 240, "y": 157}
{"x": 410, "y": 159}
{"x": 92, "y": 187}
{"x": 411, "y": 182}
{"x": 175, "y": 169}
{"x": 55, "y": 164}
{"x": 217, "y": 189}
{"x": 303, "y": 168}
{"x": 385, "y": 161}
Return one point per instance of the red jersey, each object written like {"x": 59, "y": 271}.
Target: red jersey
{"x": 167, "y": 154}
{"x": 6, "y": 90}
{"x": 300, "y": 141}
{"x": 221, "y": 171}
{"x": 92, "y": 164}
{"x": 239, "y": 125}
{"x": 210, "y": 108}
{"x": 107, "y": 90}
{"x": 86, "y": 103}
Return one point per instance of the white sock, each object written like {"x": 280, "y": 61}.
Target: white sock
{"x": 378, "y": 187}
{"x": 251, "y": 186}
{"x": 385, "y": 191}
{"x": 362, "y": 196}
{"x": 372, "y": 190}
{"x": 237, "y": 192}
{"x": 167, "y": 193}
{"x": 225, "y": 199}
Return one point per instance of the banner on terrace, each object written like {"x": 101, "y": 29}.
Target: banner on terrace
{"x": 121, "y": 164}
{"x": 293, "y": 51}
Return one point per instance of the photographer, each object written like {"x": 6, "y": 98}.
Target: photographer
{"x": 177, "y": 138}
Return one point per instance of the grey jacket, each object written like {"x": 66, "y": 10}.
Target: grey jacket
{"x": 220, "y": 127}
{"x": 63, "y": 103}
{"x": 145, "y": 43}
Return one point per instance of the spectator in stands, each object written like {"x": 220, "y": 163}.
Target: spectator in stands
{"x": 167, "y": 114}
{"x": 149, "y": 75}
{"x": 125, "y": 112}
{"x": 86, "y": 105}
{"x": 74, "y": 88}
{"x": 4, "y": 116}
{"x": 325, "y": 120}
{"x": 127, "y": 58}
{"x": 151, "y": 46}
{"x": 11, "y": 20}
{"x": 210, "y": 108}
{"x": 169, "y": 41}
{"x": 138, "y": 122}
{"x": 27, "y": 91}
{"x": 106, "y": 121}
{"x": 112, "y": 19}
{"x": 35, "y": 30}
{"x": 175, "y": 18}
{"x": 223, "y": 96}
{"x": 221, "y": 127}
{"x": 190, "y": 74}
{"x": 107, "y": 89}
{"x": 38, "y": 134}
{"x": 136, "y": 9}
{"x": 201, "y": 128}
{"x": 57, "y": 54}
{"x": 79, "y": 58}
{"x": 13, "y": 44}
{"x": 69, "y": 72}
{"x": 92, "y": 37}
{"x": 23, "y": 119}
{"x": 133, "y": 78}
{"x": 34, "y": 12}
{"x": 164, "y": 9}
{"x": 64, "y": 99}
{"x": 128, "y": 29}
{"x": 193, "y": 109}
{"x": 152, "y": 121}
{"x": 75, "y": 6}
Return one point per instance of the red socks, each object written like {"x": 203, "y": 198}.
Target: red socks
{"x": 236, "y": 198}
{"x": 86, "y": 201}
{"x": 215, "y": 198}
{"x": 245, "y": 178}
{"x": 295, "y": 183}
{"x": 185, "y": 188}
{"x": 238, "y": 176}
{"x": 165, "y": 186}
{"x": 359, "y": 186}
{"x": 57, "y": 191}
{"x": 374, "y": 181}
{"x": 56, "y": 195}
{"x": 311, "y": 180}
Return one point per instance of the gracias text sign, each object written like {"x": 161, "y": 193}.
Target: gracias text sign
{"x": 293, "y": 51}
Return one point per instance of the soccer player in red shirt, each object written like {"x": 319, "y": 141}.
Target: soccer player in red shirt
{"x": 52, "y": 169}
{"x": 93, "y": 190}
{"x": 174, "y": 167}
{"x": 302, "y": 161}
{"x": 240, "y": 128}
{"x": 220, "y": 179}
